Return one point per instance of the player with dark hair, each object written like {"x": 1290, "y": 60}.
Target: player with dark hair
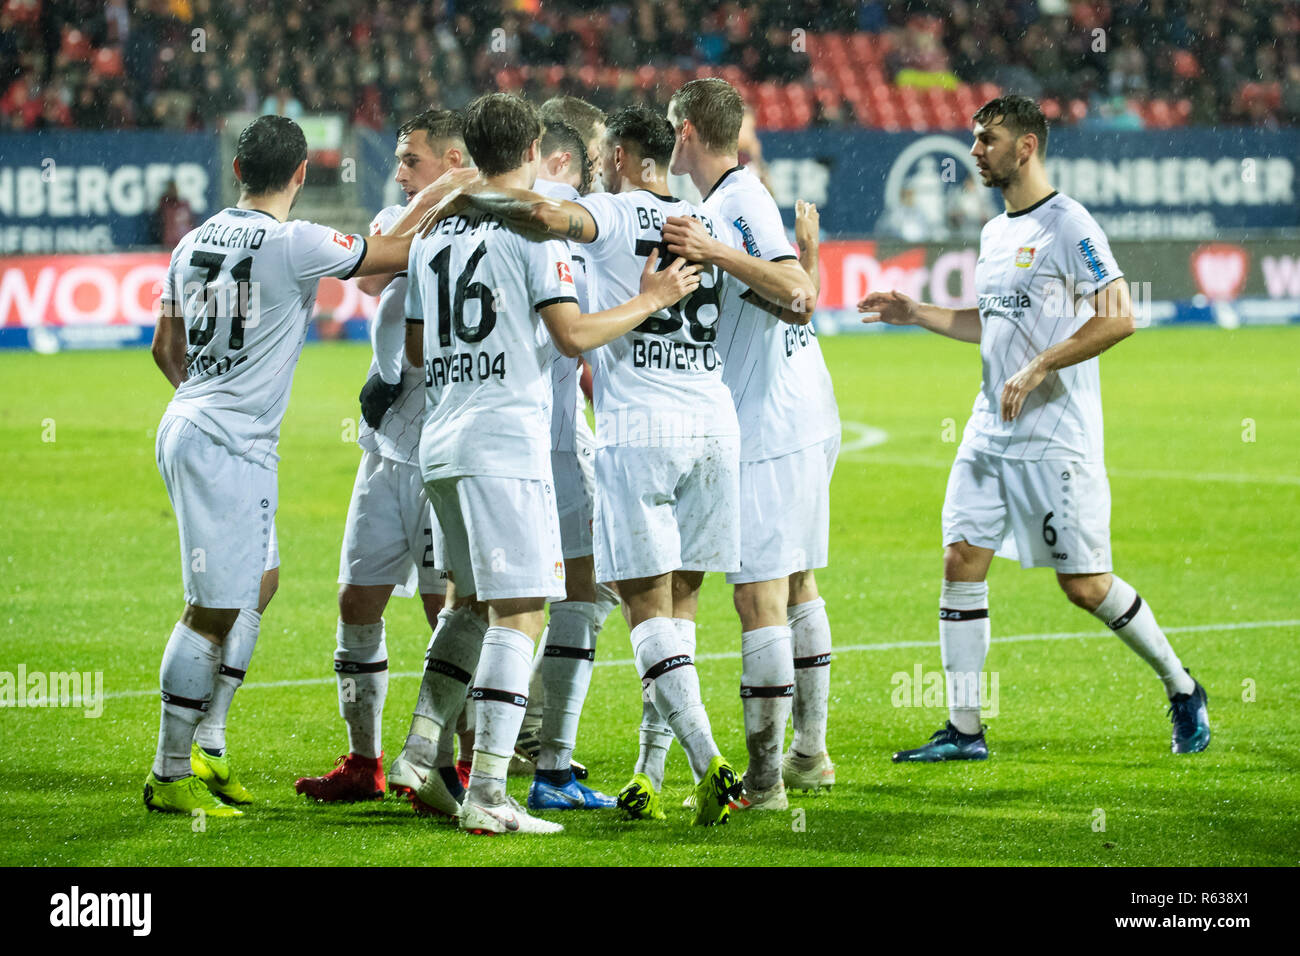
{"x": 566, "y": 653}
{"x": 238, "y": 293}
{"x": 1029, "y": 479}
{"x": 588, "y": 120}
{"x": 485, "y": 450}
{"x": 790, "y": 437}
{"x": 666, "y": 444}
{"x": 388, "y": 540}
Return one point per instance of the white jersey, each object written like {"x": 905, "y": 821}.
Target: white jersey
{"x": 663, "y": 380}
{"x": 477, "y": 286}
{"x": 245, "y": 284}
{"x": 398, "y": 435}
{"x": 774, "y": 369}
{"x": 1033, "y": 266}
{"x": 568, "y": 404}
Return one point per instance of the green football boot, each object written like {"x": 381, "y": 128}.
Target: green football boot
{"x": 715, "y": 792}
{"x": 185, "y": 795}
{"x": 217, "y": 773}
{"x": 639, "y": 800}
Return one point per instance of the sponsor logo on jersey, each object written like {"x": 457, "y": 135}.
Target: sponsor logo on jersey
{"x": 344, "y": 241}
{"x": 1012, "y": 300}
{"x": 1024, "y": 256}
{"x": 747, "y": 235}
{"x": 1098, "y": 270}
{"x": 564, "y": 272}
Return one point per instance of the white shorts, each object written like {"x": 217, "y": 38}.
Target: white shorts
{"x": 1048, "y": 514}
{"x": 667, "y": 508}
{"x": 500, "y": 536}
{"x": 785, "y": 513}
{"x": 390, "y": 533}
{"x": 225, "y": 512}
{"x": 272, "y": 550}
{"x": 573, "y": 500}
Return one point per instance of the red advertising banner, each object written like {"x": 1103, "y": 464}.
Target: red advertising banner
{"x": 117, "y": 289}
{"x": 122, "y": 289}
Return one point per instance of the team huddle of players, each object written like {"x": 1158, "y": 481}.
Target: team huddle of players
{"x": 482, "y": 484}
{"x": 716, "y": 433}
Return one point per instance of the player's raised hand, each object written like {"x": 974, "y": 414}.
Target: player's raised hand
{"x": 1020, "y": 385}
{"x": 438, "y": 190}
{"x": 668, "y": 286}
{"x": 892, "y": 308}
{"x": 453, "y": 204}
{"x": 688, "y": 238}
{"x": 807, "y": 223}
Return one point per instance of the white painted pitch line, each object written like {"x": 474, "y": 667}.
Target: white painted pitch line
{"x": 863, "y": 436}
{"x": 840, "y": 649}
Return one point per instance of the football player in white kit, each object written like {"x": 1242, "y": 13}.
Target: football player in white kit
{"x": 666, "y": 449}
{"x": 388, "y": 541}
{"x": 476, "y": 282}
{"x": 242, "y": 286}
{"x": 790, "y": 437}
{"x": 1029, "y": 480}
{"x": 566, "y": 653}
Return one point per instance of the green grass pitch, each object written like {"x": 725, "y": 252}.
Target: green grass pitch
{"x": 1202, "y": 438}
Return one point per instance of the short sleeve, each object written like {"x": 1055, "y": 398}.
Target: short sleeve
{"x": 607, "y": 212}
{"x": 1084, "y": 255}
{"x": 550, "y": 274}
{"x": 317, "y": 251}
{"x": 760, "y": 229}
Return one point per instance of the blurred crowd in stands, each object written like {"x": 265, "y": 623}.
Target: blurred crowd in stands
{"x": 183, "y": 64}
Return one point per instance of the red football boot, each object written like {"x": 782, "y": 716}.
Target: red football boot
{"x": 462, "y": 771}
{"x": 353, "y": 778}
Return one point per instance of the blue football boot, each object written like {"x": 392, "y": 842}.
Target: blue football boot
{"x": 572, "y": 795}
{"x": 1191, "y": 720}
{"x": 947, "y": 744}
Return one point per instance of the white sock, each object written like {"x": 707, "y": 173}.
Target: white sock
{"x": 811, "y": 639}
{"x": 449, "y": 663}
{"x": 766, "y": 689}
{"x": 668, "y": 673}
{"x": 567, "y": 662}
{"x": 1133, "y": 622}
{"x": 236, "y": 652}
{"x": 189, "y": 665}
{"x": 536, "y": 689}
{"x": 964, "y": 636}
{"x": 655, "y": 737}
{"x": 500, "y": 695}
{"x": 686, "y": 634}
{"x": 361, "y": 666}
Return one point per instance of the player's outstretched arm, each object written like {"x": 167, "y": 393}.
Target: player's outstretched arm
{"x": 385, "y": 254}
{"x": 575, "y": 332}
{"x": 169, "y": 343}
{"x": 1112, "y": 322}
{"x": 894, "y": 308}
{"x": 783, "y": 283}
{"x": 556, "y": 218}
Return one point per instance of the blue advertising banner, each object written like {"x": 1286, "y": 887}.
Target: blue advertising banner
{"x": 1150, "y": 184}
{"x": 96, "y": 192}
